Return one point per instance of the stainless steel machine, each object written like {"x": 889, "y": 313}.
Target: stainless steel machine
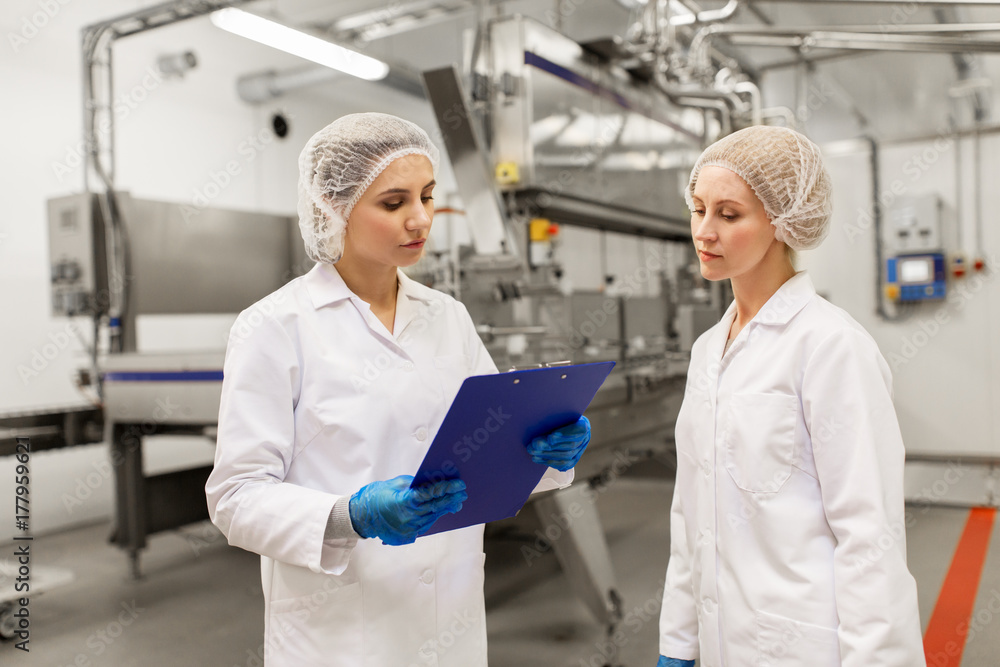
{"x": 553, "y": 137}
{"x": 179, "y": 261}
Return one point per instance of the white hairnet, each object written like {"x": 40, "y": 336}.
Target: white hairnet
{"x": 785, "y": 171}
{"x": 339, "y": 163}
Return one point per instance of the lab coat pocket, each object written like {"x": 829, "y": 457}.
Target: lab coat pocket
{"x": 312, "y": 628}
{"x": 783, "y": 642}
{"x": 760, "y": 440}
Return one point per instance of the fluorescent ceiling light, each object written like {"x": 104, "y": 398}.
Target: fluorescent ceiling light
{"x": 298, "y": 43}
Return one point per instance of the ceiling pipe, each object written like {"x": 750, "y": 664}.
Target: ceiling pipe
{"x": 718, "y": 106}
{"x": 925, "y": 3}
{"x": 783, "y": 113}
{"x": 700, "y": 58}
{"x": 870, "y": 42}
{"x": 707, "y": 16}
{"x": 750, "y": 88}
{"x": 925, "y": 28}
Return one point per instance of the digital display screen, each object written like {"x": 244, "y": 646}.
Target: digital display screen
{"x": 916, "y": 271}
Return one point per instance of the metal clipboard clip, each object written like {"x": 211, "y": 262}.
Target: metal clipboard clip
{"x": 528, "y": 367}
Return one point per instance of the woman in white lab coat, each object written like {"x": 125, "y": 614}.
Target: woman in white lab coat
{"x": 787, "y": 525}
{"x": 334, "y": 387}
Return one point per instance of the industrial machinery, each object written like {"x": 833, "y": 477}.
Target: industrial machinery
{"x": 181, "y": 261}
{"x": 558, "y": 142}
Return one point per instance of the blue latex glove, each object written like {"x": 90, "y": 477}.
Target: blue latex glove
{"x": 397, "y": 514}
{"x": 674, "y": 662}
{"x": 563, "y": 447}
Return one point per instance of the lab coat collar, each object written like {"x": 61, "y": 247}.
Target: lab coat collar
{"x": 783, "y": 305}
{"x": 786, "y": 302}
{"x": 325, "y": 286}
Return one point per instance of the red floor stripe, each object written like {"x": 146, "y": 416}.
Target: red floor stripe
{"x": 944, "y": 640}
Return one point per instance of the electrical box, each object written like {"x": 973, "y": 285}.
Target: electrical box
{"x": 915, "y": 242}
{"x": 916, "y": 277}
{"x": 913, "y": 226}
{"x": 77, "y": 252}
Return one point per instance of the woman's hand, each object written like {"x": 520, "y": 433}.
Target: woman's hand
{"x": 397, "y": 514}
{"x": 563, "y": 447}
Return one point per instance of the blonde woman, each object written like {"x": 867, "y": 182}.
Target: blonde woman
{"x": 790, "y": 460}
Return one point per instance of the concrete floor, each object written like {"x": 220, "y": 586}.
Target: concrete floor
{"x": 200, "y": 602}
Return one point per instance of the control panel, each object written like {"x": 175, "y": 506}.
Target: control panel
{"x": 77, "y": 251}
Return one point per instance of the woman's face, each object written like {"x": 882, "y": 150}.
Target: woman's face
{"x": 390, "y": 223}
{"x": 731, "y": 231}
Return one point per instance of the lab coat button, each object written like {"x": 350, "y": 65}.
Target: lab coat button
{"x": 421, "y": 434}
{"x": 408, "y": 366}
{"x": 427, "y": 577}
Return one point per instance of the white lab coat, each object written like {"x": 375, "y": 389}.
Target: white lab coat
{"x": 318, "y": 400}
{"x": 787, "y": 527}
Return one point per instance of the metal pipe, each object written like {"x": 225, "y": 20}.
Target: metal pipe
{"x": 265, "y": 86}
{"x": 780, "y": 112}
{"x": 825, "y": 58}
{"x": 751, "y": 89}
{"x": 925, "y": 3}
{"x": 959, "y": 195}
{"x": 735, "y": 103}
{"x": 645, "y": 30}
{"x": 674, "y": 90}
{"x": 927, "y": 28}
{"x": 870, "y": 42}
{"x": 710, "y": 16}
{"x": 718, "y": 106}
{"x": 977, "y": 181}
{"x": 877, "y": 219}
{"x": 897, "y": 38}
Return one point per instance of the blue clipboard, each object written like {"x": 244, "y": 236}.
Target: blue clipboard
{"x": 484, "y": 436}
